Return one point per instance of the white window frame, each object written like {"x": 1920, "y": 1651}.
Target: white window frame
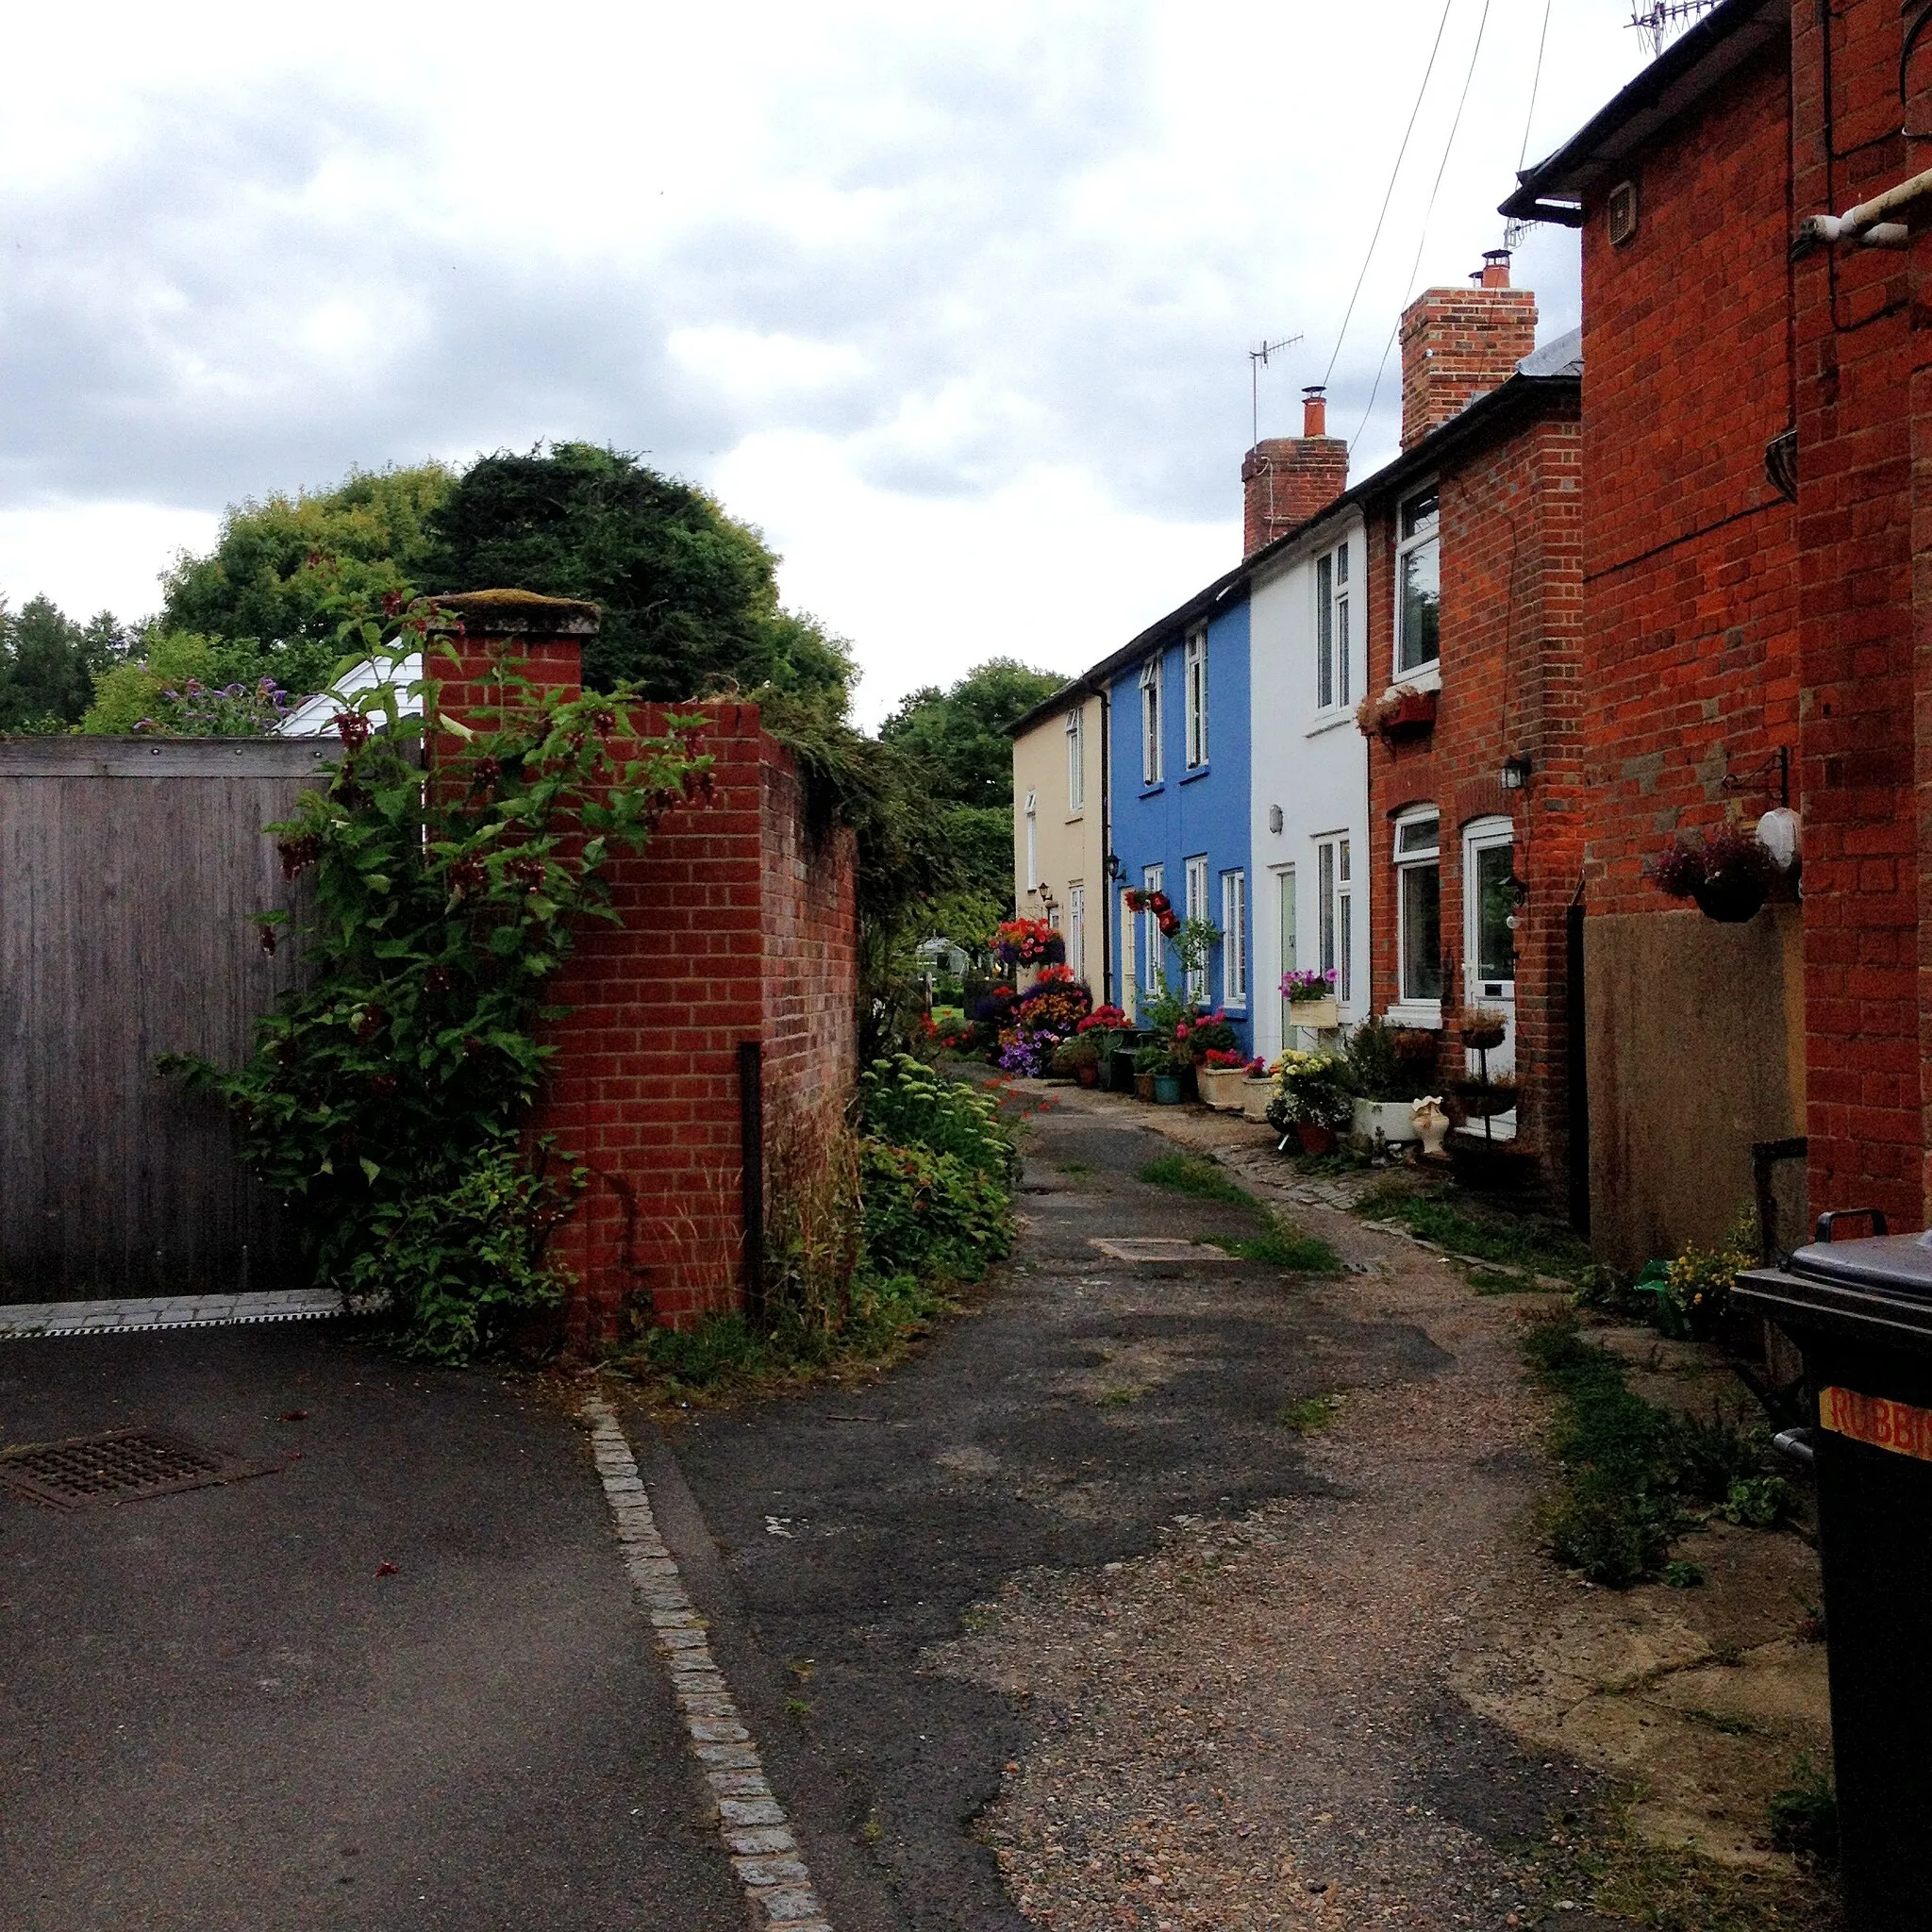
{"x": 1407, "y": 667}
{"x": 1150, "y": 721}
{"x": 1194, "y": 697}
{"x": 1032, "y": 841}
{"x": 1076, "y": 760}
{"x": 1234, "y": 939}
{"x": 1335, "y": 910}
{"x": 1334, "y": 630}
{"x": 1416, "y": 1007}
{"x": 1076, "y": 929}
{"x": 1152, "y": 879}
{"x": 1195, "y": 872}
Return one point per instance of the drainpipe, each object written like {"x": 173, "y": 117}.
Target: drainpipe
{"x": 1865, "y": 222}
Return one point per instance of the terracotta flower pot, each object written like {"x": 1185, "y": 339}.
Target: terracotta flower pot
{"x": 1088, "y": 1076}
{"x": 1144, "y": 1086}
{"x": 1314, "y": 1137}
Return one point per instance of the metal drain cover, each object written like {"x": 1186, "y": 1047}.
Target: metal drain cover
{"x": 123, "y": 1466}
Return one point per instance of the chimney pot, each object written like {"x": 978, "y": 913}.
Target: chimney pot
{"x": 1495, "y": 270}
{"x": 1315, "y": 410}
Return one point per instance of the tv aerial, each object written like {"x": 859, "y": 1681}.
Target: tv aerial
{"x": 1257, "y": 360}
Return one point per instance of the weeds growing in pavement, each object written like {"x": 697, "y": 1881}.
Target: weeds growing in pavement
{"x": 1632, "y": 1472}
{"x": 1189, "y": 1174}
{"x": 1804, "y": 1815}
{"x": 1480, "y": 1233}
{"x": 1310, "y": 1415}
{"x": 1278, "y": 1245}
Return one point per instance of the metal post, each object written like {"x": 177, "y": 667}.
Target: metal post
{"x": 751, "y": 1139}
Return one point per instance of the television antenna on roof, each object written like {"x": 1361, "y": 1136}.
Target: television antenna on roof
{"x": 1659, "y": 21}
{"x": 1257, "y": 360}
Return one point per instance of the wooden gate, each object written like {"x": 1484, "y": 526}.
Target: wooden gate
{"x": 130, "y": 872}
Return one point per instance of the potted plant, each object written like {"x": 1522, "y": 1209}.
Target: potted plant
{"x": 1223, "y": 1073}
{"x": 1311, "y": 1000}
{"x": 1107, "y": 1027}
{"x": 1209, "y": 1036}
{"x": 1388, "y": 1076}
{"x": 1150, "y": 1060}
{"x": 1729, "y": 873}
{"x": 1079, "y": 1060}
{"x": 1171, "y": 1074}
{"x": 1482, "y": 1099}
{"x": 1257, "y": 1090}
{"x": 1312, "y": 1099}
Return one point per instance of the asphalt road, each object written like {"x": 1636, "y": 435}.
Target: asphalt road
{"x": 216, "y": 1714}
{"x": 1086, "y": 1404}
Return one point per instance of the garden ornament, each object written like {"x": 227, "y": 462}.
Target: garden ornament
{"x": 1431, "y": 1123}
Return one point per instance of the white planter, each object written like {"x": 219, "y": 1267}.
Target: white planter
{"x": 1390, "y": 1121}
{"x": 1256, "y": 1095}
{"x": 1221, "y": 1087}
{"x": 1320, "y": 1014}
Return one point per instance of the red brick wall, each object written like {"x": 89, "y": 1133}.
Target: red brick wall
{"x": 1511, "y": 600}
{"x": 1853, "y": 327}
{"x": 735, "y": 924}
{"x": 1690, "y": 648}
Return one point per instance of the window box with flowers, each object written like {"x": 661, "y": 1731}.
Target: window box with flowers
{"x": 1310, "y": 997}
{"x": 1401, "y": 713}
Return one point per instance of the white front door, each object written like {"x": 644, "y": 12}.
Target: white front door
{"x": 1489, "y": 935}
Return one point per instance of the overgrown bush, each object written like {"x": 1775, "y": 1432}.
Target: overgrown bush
{"x": 385, "y": 1095}
{"x": 936, "y": 1174}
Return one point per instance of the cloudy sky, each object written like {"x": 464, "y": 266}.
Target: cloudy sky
{"x": 955, "y": 302}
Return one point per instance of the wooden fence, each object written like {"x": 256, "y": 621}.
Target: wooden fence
{"x": 130, "y": 872}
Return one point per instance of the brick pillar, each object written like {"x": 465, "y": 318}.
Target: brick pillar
{"x": 1459, "y": 343}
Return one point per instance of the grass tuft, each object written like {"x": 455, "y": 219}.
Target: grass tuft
{"x": 1189, "y": 1174}
{"x": 1282, "y": 1246}
{"x": 1803, "y": 1815}
{"x": 1311, "y": 1414}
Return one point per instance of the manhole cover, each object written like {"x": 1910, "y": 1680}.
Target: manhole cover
{"x": 1157, "y": 1248}
{"x": 121, "y": 1466}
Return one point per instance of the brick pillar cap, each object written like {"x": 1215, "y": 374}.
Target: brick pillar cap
{"x": 520, "y": 613}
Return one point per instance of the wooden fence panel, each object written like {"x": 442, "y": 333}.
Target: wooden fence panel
{"x": 130, "y": 873}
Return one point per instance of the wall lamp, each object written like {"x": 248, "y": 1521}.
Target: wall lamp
{"x": 1515, "y": 772}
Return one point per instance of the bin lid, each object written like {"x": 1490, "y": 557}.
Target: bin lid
{"x": 1895, "y": 1263}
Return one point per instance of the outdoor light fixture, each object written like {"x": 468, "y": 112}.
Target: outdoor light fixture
{"x": 1114, "y": 867}
{"x": 1515, "y": 772}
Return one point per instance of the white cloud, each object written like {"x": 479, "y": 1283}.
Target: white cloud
{"x": 994, "y": 266}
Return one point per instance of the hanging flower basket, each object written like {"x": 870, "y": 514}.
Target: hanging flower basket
{"x": 1483, "y": 1029}
{"x": 1729, "y": 874}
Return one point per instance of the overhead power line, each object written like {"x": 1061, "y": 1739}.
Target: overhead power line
{"x": 1535, "y": 81}
{"x": 1388, "y": 191}
{"x": 1421, "y": 240}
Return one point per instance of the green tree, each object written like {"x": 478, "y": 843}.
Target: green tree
{"x": 48, "y": 664}
{"x": 957, "y": 738}
{"x": 690, "y": 595}
{"x": 283, "y": 568}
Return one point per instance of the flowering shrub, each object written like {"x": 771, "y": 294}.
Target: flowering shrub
{"x": 1311, "y": 1088}
{"x": 1027, "y": 943}
{"x": 1225, "y": 1057}
{"x": 228, "y": 711}
{"x": 1692, "y": 1295}
{"x": 1211, "y": 1033}
{"x": 385, "y": 1095}
{"x": 1311, "y": 985}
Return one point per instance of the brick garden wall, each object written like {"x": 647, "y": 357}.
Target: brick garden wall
{"x": 737, "y": 923}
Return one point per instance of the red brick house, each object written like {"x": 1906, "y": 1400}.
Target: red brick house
{"x": 1753, "y": 598}
{"x": 1474, "y": 595}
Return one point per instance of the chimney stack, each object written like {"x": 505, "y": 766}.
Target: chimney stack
{"x": 1288, "y": 479}
{"x": 1459, "y": 343}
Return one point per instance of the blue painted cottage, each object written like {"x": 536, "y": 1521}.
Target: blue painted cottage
{"x": 1178, "y": 745}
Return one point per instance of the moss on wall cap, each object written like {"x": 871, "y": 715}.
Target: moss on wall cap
{"x": 520, "y": 613}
